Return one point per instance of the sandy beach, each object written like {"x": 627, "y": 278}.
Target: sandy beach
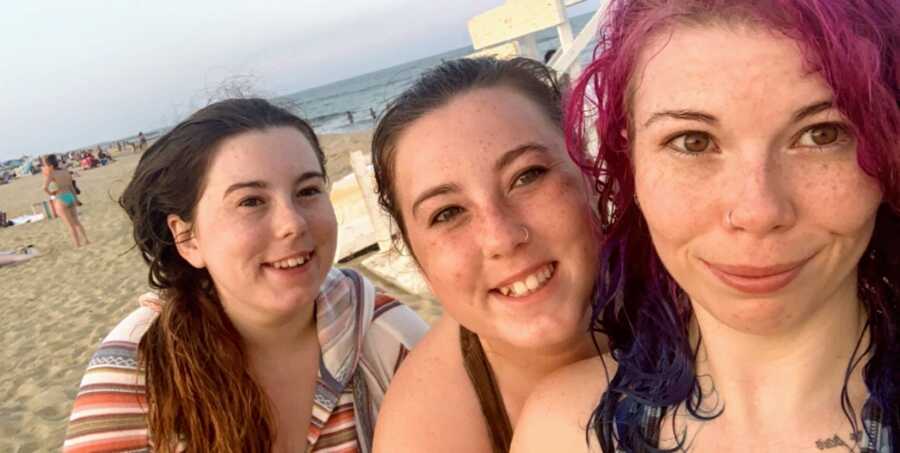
{"x": 57, "y": 307}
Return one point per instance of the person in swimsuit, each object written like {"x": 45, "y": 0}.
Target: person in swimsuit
{"x": 749, "y": 172}
{"x": 58, "y": 184}
{"x": 471, "y": 163}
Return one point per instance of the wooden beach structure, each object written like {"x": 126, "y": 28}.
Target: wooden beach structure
{"x": 511, "y": 28}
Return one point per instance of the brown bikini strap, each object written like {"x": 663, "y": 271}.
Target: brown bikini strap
{"x": 485, "y": 384}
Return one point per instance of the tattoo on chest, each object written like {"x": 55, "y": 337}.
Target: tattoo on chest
{"x": 838, "y": 442}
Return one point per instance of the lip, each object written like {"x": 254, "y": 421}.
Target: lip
{"x": 532, "y": 297}
{"x": 757, "y": 279}
{"x": 521, "y": 275}
{"x": 310, "y": 252}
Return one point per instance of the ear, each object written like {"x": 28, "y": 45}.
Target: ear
{"x": 185, "y": 241}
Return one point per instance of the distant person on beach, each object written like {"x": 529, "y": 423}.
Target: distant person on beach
{"x": 13, "y": 257}
{"x": 748, "y": 165}
{"x": 372, "y": 114}
{"x": 471, "y": 163}
{"x": 254, "y": 343}
{"x": 142, "y": 141}
{"x": 59, "y": 185}
{"x": 548, "y": 55}
{"x": 350, "y": 117}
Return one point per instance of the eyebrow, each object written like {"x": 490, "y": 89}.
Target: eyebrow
{"x": 691, "y": 115}
{"x": 505, "y": 160}
{"x": 262, "y": 184}
{"x": 513, "y": 154}
{"x": 812, "y": 109}
{"x": 442, "y": 189}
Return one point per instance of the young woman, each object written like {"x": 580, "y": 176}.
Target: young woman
{"x": 750, "y": 285}
{"x": 472, "y": 165}
{"x": 255, "y": 343}
{"x": 58, "y": 183}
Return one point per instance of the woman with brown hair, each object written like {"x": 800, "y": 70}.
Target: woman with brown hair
{"x": 58, "y": 183}
{"x": 254, "y": 343}
{"x": 471, "y": 163}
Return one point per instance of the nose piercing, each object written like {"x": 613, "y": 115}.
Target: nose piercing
{"x": 527, "y": 235}
{"x": 728, "y": 219}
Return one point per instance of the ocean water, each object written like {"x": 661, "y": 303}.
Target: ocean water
{"x": 327, "y": 106}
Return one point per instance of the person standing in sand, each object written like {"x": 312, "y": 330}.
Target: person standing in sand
{"x": 59, "y": 185}
{"x": 471, "y": 163}
{"x": 255, "y": 344}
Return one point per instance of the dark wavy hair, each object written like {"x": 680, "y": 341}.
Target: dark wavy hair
{"x": 853, "y": 45}
{"x": 436, "y": 88}
{"x": 199, "y": 389}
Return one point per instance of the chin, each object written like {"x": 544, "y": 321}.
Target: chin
{"x": 542, "y": 333}
{"x": 757, "y": 316}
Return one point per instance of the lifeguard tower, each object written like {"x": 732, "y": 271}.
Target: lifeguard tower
{"x": 510, "y": 29}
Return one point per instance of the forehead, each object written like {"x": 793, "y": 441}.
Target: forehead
{"x": 721, "y": 67}
{"x": 262, "y": 155}
{"x": 468, "y": 133}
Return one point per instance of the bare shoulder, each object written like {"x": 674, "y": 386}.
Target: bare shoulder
{"x": 430, "y": 405}
{"x": 556, "y": 415}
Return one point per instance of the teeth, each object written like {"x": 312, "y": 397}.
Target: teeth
{"x": 530, "y": 284}
{"x": 291, "y": 262}
{"x": 519, "y": 287}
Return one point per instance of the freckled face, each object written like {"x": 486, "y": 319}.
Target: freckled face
{"x": 498, "y": 218}
{"x": 264, "y": 226}
{"x": 748, "y": 177}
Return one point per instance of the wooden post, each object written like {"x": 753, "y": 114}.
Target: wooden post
{"x": 365, "y": 177}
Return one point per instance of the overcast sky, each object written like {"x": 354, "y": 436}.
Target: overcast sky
{"x": 81, "y": 72}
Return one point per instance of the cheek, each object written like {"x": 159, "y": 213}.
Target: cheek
{"x": 565, "y": 205}
{"x": 675, "y": 204}
{"x": 228, "y": 246}
{"x": 448, "y": 261}
{"x": 323, "y": 221}
{"x": 838, "y": 197}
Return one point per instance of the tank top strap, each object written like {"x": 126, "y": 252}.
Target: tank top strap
{"x": 485, "y": 384}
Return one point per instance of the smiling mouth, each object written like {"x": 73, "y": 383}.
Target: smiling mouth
{"x": 292, "y": 262}
{"x": 530, "y": 283}
{"x": 757, "y": 280}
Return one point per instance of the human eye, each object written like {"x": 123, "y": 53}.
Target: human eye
{"x": 691, "y": 143}
{"x": 528, "y": 176}
{"x": 250, "y": 202}
{"x": 823, "y": 135}
{"x": 309, "y": 191}
{"x": 445, "y": 215}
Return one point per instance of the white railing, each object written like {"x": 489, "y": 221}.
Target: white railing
{"x": 510, "y": 29}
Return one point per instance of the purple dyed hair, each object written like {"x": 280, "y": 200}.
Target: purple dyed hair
{"x": 853, "y": 45}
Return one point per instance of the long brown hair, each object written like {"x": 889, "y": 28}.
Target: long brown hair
{"x": 199, "y": 388}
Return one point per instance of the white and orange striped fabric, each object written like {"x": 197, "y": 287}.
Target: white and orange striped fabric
{"x": 363, "y": 335}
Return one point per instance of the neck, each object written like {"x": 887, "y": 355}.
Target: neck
{"x": 275, "y": 336}
{"x": 770, "y": 377}
{"x": 518, "y": 370}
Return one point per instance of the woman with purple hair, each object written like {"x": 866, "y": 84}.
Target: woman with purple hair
{"x": 749, "y": 177}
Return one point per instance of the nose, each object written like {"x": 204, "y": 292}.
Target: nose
{"x": 502, "y": 231}
{"x": 289, "y": 220}
{"x": 763, "y": 201}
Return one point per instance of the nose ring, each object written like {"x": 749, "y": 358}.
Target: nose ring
{"x": 527, "y": 235}
{"x": 728, "y": 219}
